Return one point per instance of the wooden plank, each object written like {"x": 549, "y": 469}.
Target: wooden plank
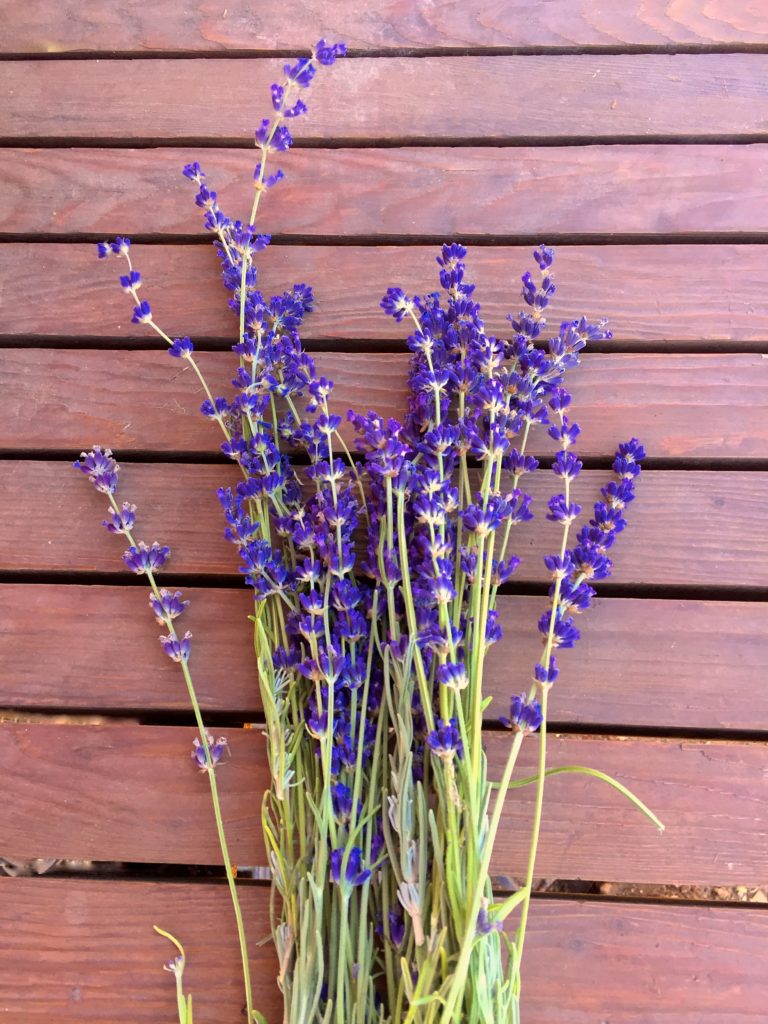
{"x": 641, "y": 662}
{"x": 94, "y": 27}
{"x": 130, "y": 792}
{"x": 48, "y": 404}
{"x": 400, "y": 193}
{"x": 693, "y": 965}
{"x": 85, "y": 950}
{"x": 599, "y": 97}
{"x": 648, "y": 292}
{"x": 691, "y": 528}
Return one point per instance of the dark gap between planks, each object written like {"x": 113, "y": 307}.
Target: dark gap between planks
{"x": 579, "y": 890}
{"x": 372, "y": 241}
{"x": 214, "y": 458}
{"x": 596, "y": 49}
{"x": 228, "y": 581}
{"x": 370, "y": 346}
{"x": 237, "y": 718}
{"x": 376, "y": 142}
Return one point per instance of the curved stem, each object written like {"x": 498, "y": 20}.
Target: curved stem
{"x": 211, "y": 773}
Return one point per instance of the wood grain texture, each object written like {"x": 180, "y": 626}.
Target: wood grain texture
{"x": 616, "y": 961}
{"x": 682, "y": 406}
{"x": 130, "y": 792}
{"x": 690, "y": 528}
{"x": 400, "y": 193}
{"x": 652, "y": 295}
{"x": 640, "y": 662}
{"x": 95, "y": 27}
{"x": 598, "y": 97}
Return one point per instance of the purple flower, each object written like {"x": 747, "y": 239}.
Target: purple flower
{"x": 546, "y": 676}
{"x": 486, "y": 924}
{"x": 566, "y": 465}
{"x": 560, "y": 511}
{"x": 141, "y": 558}
{"x": 327, "y": 53}
{"x": 355, "y": 874}
{"x": 142, "y": 313}
{"x": 302, "y": 72}
{"x": 167, "y": 606}
{"x": 445, "y": 740}
{"x": 100, "y": 468}
{"x": 341, "y": 797}
{"x": 181, "y": 347}
{"x": 453, "y": 675}
{"x": 524, "y": 715}
{"x": 194, "y": 172}
{"x": 628, "y": 457}
{"x": 396, "y": 927}
{"x": 216, "y": 751}
{"x": 130, "y": 282}
{"x": 396, "y": 303}
{"x": 177, "y": 649}
{"x": 122, "y": 521}
{"x": 564, "y": 632}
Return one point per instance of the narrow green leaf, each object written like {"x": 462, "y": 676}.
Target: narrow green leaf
{"x": 577, "y": 769}
{"x": 502, "y": 910}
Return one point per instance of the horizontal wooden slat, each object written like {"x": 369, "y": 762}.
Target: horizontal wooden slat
{"x": 650, "y": 294}
{"x": 599, "y": 97}
{"x": 130, "y": 792}
{"x": 633, "y": 963}
{"x": 63, "y": 399}
{"x": 400, "y": 193}
{"x": 651, "y": 663}
{"x": 689, "y": 528}
{"x": 93, "y": 26}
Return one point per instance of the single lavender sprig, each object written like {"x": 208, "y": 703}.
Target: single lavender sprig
{"x": 102, "y": 471}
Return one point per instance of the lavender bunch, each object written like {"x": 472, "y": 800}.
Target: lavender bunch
{"x": 375, "y": 580}
{"x": 446, "y": 493}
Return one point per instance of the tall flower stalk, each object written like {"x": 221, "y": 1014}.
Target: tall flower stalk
{"x": 145, "y": 560}
{"x": 375, "y": 580}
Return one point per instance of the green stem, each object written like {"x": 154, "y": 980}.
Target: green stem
{"x": 460, "y": 974}
{"x": 211, "y": 773}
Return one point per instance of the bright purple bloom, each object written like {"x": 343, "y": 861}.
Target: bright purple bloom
{"x": 141, "y": 558}
{"x": 355, "y": 874}
{"x": 181, "y": 347}
{"x": 177, "y": 649}
{"x": 100, "y": 468}
{"x": 142, "y": 313}
{"x": 524, "y": 715}
{"x": 445, "y": 740}
{"x": 167, "y": 606}
{"x": 122, "y": 521}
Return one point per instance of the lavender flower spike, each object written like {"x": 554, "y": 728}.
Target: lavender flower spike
{"x": 216, "y": 751}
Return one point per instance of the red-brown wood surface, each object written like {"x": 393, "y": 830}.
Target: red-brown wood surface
{"x": 47, "y": 406}
{"x": 401, "y": 193}
{"x": 690, "y": 528}
{"x": 599, "y": 97}
{"x": 646, "y": 663}
{"x": 451, "y": 121}
{"x": 93, "y": 26}
{"x": 131, "y": 792}
{"x": 618, "y": 961}
{"x": 652, "y": 295}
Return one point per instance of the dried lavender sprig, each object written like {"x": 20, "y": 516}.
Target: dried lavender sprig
{"x": 102, "y": 471}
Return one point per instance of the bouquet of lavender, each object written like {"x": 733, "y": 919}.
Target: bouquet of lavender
{"x": 375, "y": 577}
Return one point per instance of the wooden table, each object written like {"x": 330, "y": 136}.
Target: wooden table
{"x": 635, "y": 141}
